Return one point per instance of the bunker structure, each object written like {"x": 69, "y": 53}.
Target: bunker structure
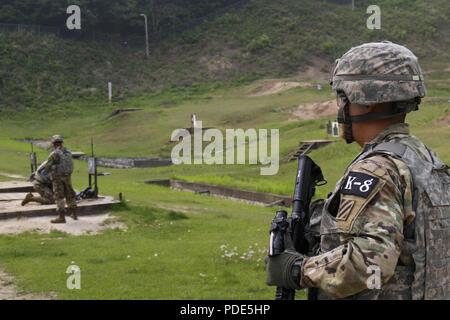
{"x": 306, "y": 146}
{"x": 266, "y": 199}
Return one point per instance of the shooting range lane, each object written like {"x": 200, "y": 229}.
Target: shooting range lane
{"x": 15, "y": 186}
{"x": 13, "y": 192}
{"x": 13, "y": 209}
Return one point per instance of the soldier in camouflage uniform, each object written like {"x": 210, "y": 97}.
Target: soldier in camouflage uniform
{"x": 42, "y": 184}
{"x": 60, "y": 166}
{"x": 384, "y": 232}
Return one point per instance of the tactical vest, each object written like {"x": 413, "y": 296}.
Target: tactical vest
{"x": 65, "y": 165}
{"x": 43, "y": 177}
{"x": 427, "y": 238}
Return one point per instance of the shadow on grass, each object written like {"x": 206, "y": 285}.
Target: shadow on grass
{"x": 144, "y": 214}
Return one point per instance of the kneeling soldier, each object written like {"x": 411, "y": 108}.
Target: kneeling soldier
{"x": 42, "y": 184}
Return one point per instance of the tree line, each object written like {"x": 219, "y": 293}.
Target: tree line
{"x": 111, "y": 16}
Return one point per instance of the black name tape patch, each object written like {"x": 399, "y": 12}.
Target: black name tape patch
{"x": 359, "y": 184}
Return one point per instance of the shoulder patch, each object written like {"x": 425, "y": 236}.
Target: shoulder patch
{"x": 359, "y": 184}
{"x": 345, "y": 208}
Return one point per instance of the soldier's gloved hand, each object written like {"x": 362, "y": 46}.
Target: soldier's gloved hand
{"x": 284, "y": 270}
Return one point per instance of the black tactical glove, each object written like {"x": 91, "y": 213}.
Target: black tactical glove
{"x": 284, "y": 270}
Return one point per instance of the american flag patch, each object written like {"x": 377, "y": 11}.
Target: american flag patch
{"x": 345, "y": 208}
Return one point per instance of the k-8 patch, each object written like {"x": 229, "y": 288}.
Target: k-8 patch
{"x": 359, "y": 184}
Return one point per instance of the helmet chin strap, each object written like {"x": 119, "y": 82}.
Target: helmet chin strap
{"x": 345, "y": 119}
{"x": 400, "y": 108}
{"x": 376, "y": 116}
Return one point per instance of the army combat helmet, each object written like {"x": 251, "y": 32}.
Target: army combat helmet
{"x": 374, "y": 73}
{"x": 57, "y": 139}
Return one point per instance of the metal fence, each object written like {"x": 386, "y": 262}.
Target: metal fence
{"x": 33, "y": 29}
{"x": 128, "y": 40}
{"x": 350, "y": 3}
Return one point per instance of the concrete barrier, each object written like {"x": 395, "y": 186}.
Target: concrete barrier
{"x": 268, "y": 199}
{"x": 126, "y": 163}
{"x": 12, "y": 209}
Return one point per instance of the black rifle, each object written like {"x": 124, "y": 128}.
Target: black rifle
{"x": 33, "y": 159}
{"x": 309, "y": 175}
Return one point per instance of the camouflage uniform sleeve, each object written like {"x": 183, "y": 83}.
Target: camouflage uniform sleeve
{"x": 370, "y": 219}
{"x": 52, "y": 160}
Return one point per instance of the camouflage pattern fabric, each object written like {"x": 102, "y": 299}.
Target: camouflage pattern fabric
{"x": 45, "y": 192}
{"x": 430, "y": 245}
{"x": 57, "y": 138}
{"x": 60, "y": 162}
{"x": 362, "y": 232}
{"x": 379, "y": 72}
{"x": 62, "y": 189}
{"x": 60, "y": 165}
{"x": 370, "y": 228}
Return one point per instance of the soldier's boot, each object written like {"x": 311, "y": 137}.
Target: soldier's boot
{"x": 28, "y": 198}
{"x": 73, "y": 213}
{"x": 61, "y": 218}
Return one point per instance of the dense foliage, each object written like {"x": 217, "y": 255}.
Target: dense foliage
{"x": 113, "y": 16}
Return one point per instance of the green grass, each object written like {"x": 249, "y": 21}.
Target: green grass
{"x": 184, "y": 229}
{"x": 162, "y": 255}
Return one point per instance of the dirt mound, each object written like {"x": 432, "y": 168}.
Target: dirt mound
{"x": 84, "y": 225}
{"x": 315, "y": 110}
{"x": 8, "y": 290}
{"x": 444, "y": 121}
{"x": 276, "y": 87}
{"x": 318, "y": 70}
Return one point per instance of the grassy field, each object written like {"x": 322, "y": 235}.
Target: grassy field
{"x": 178, "y": 245}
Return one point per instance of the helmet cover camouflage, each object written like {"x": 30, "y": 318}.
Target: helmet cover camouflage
{"x": 57, "y": 138}
{"x": 379, "y": 72}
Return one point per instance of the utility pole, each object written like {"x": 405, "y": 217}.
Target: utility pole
{"x": 353, "y": 5}
{"x": 109, "y": 92}
{"x": 146, "y": 34}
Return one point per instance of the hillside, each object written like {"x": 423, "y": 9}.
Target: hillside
{"x": 256, "y": 67}
{"x": 262, "y": 39}
{"x": 222, "y": 242}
